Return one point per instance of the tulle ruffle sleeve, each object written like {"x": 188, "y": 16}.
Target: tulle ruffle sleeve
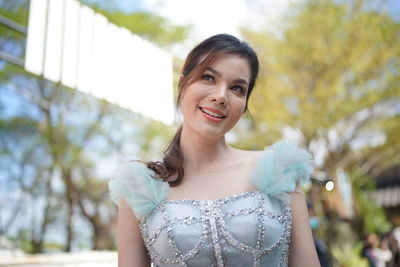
{"x": 281, "y": 168}
{"x": 132, "y": 181}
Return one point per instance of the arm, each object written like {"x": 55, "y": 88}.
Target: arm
{"x": 131, "y": 249}
{"x": 302, "y": 248}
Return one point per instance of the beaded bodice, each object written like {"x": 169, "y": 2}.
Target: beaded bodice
{"x": 250, "y": 229}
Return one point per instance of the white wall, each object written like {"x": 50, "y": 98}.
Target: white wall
{"x": 69, "y": 43}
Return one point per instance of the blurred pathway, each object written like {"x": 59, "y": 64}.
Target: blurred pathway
{"x": 76, "y": 259}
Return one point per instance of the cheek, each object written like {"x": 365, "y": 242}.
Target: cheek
{"x": 181, "y": 96}
{"x": 244, "y": 106}
{"x": 188, "y": 101}
{"x": 240, "y": 107}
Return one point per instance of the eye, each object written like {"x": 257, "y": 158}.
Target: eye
{"x": 239, "y": 89}
{"x": 207, "y": 77}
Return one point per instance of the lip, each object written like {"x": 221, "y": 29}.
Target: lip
{"x": 215, "y": 111}
{"x": 211, "y": 118}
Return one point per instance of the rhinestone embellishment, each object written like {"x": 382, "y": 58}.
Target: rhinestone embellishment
{"x": 213, "y": 217}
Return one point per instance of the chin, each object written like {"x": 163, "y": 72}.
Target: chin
{"x": 213, "y": 135}
{"x": 212, "y": 132}
{"x": 205, "y": 131}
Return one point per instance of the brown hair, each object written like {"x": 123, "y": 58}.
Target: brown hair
{"x": 196, "y": 62}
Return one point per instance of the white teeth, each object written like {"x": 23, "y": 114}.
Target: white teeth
{"x": 212, "y": 113}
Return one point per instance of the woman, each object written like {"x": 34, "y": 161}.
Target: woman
{"x": 206, "y": 203}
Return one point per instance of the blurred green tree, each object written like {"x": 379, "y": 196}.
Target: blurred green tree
{"x": 53, "y": 157}
{"x": 331, "y": 77}
{"x": 148, "y": 25}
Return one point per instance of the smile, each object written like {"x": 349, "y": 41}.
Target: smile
{"x": 213, "y": 114}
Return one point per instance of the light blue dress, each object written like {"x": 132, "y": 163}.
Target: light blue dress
{"x": 249, "y": 229}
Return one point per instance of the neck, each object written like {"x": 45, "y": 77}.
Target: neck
{"x": 199, "y": 152}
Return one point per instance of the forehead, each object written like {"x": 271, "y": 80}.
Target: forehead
{"x": 231, "y": 65}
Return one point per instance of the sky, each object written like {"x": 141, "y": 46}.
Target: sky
{"x": 210, "y": 17}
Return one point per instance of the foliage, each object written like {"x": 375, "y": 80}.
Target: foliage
{"x": 147, "y": 25}
{"x": 16, "y": 10}
{"x": 50, "y": 144}
{"x": 330, "y": 79}
{"x": 56, "y": 161}
{"x": 349, "y": 256}
{"x": 372, "y": 217}
{"x": 24, "y": 241}
{"x": 10, "y": 41}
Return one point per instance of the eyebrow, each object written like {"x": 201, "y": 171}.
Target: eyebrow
{"x": 243, "y": 81}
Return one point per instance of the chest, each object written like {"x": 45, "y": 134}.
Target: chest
{"x": 243, "y": 230}
{"x": 214, "y": 184}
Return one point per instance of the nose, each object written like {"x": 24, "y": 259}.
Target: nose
{"x": 219, "y": 95}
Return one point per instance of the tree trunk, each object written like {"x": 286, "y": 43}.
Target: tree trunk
{"x": 102, "y": 239}
{"x": 69, "y": 190}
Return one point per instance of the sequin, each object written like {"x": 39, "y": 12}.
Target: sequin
{"x": 191, "y": 229}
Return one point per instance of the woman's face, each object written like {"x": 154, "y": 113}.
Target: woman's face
{"x": 212, "y": 105}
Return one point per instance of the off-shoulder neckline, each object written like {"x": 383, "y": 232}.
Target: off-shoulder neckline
{"x": 228, "y": 198}
{"x": 220, "y": 200}
{"x": 258, "y": 162}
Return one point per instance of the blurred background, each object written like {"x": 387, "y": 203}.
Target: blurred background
{"x": 87, "y": 84}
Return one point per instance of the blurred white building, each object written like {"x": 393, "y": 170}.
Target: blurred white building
{"x": 71, "y": 44}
